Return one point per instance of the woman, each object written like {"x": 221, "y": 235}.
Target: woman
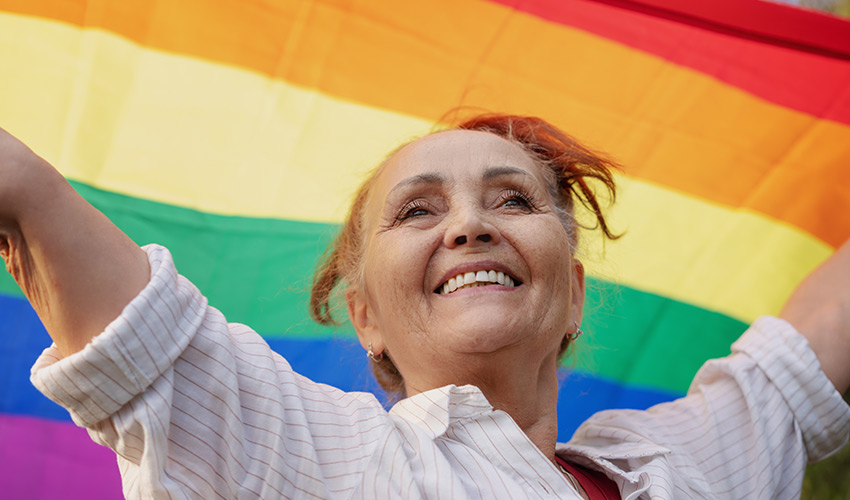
{"x": 460, "y": 279}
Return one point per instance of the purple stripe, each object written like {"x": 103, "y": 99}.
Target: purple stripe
{"x": 45, "y": 459}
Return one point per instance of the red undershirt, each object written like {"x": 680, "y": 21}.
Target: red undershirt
{"x": 595, "y": 484}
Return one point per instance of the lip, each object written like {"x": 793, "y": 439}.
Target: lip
{"x": 481, "y": 265}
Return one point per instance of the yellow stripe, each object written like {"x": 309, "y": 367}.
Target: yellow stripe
{"x": 219, "y": 139}
{"x": 736, "y": 262}
{"x": 187, "y": 132}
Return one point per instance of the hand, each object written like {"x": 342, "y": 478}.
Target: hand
{"x": 819, "y": 309}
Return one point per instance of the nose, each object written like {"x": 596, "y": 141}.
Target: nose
{"x": 471, "y": 227}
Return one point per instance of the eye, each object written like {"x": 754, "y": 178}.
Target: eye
{"x": 415, "y": 208}
{"x": 512, "y": 198}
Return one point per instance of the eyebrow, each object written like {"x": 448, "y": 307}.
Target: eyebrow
{"x": 426, "y": 178}
{"x": 430, "y": 178}
{"x": 501, "y": 171}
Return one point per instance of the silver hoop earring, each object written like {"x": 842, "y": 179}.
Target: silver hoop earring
{"x": 376, "y": 358}
{"x": 575, "y": 335}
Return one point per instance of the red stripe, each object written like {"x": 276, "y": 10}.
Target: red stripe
{"x": 767, "y": 21}
{"x": 709, "y": 37}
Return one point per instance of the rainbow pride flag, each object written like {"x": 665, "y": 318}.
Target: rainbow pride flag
{"x": 235, "y": 132}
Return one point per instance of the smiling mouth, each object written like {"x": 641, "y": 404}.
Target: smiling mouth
{"x": 475, "y": 279}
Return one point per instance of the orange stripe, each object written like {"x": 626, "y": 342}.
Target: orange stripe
{"x": 415, "y": 59}
{"x": 758, "y": 68}
{"x": 233, "y": 32}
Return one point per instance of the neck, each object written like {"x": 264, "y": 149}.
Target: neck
{"x": 528, "y": 393}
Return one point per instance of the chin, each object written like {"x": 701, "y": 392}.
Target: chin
{"x": 484, "y": 337}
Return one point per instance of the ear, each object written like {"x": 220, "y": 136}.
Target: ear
{"x": 578, "y": 290}
{"x": 361, "y": 314}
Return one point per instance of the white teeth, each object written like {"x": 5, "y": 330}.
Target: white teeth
{"x": 479, "y": 278}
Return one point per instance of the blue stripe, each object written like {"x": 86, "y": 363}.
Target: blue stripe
{"x": 337, "y": 361}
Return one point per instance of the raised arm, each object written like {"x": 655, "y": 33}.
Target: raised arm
{"x": 752, "y": 421}
{"x": 76, "y": 268}
{"x": 820, "y": 310}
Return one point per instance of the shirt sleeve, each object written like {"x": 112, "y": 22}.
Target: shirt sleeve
{"x": 195, "y": 407}
{"x": 746, "y": 429}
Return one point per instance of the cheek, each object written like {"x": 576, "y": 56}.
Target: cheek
{"x": 550, "y": 248}
{"x": 559, "y": 275}
{"x": 394, "y": 276}
{"x": 550, "y": 260}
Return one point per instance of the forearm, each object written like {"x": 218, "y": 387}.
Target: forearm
{"x": 76, "y": 268}
{"x": 827, "y": 337}
{"x": 820, "y": 310}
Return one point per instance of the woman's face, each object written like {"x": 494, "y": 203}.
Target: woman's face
{"x": 452, "y": 208}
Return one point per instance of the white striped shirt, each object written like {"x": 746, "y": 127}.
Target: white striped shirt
{"x": 195, "y": 407}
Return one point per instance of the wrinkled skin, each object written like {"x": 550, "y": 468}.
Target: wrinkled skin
{"x": 433, "y": 209}
{"x": 453, "y": 202}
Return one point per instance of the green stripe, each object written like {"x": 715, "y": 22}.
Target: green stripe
{"x": 258, "y": 272}
{"x": 647, "y": 340}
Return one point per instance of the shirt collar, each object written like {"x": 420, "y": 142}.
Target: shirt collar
{"x": 612, "y": 456}
{"x": 433, "y": 411}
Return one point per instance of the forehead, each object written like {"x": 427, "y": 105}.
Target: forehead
{"x": 453, "y": 155}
